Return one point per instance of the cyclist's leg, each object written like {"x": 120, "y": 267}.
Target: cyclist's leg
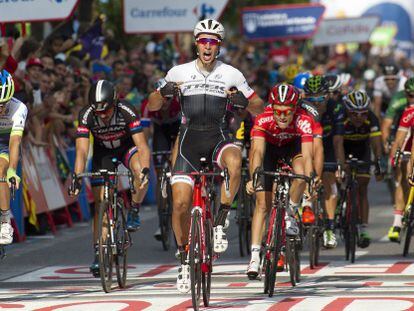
{"x": 6, "y": 230}
{"x": 363, "y": 181}
{"x": 331, "y": 199}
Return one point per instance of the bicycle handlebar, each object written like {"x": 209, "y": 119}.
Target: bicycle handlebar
{"x": 106, "y": 173}
{"x": 12, "y": 181}
{"x": 282, "y": 174}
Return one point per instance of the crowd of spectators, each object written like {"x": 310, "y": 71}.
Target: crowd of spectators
{"x": 53, "y": 79}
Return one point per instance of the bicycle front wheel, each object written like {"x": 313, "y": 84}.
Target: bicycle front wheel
{"x": 353, "y": 231}
{"x": 164, "y": 213}
{"x": 207, "y": 266}
{"x": 106, "y": 257}
{"x": 123, "y": 242}
{"x": 195, "y": 258}
{"x": 275, "y": 247}
{"x": 409, "y": 231}
{"x": 291, "y": 259}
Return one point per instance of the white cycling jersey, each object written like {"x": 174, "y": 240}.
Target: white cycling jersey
{"x": 381, "y": 88}
{"x": 204, "y": 95}
{"x": 12, "y": 122}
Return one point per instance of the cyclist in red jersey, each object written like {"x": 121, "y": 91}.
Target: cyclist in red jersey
{"x": 282, "y": 131}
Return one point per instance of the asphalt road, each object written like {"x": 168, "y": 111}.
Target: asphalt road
{"x": 51, "y": 273}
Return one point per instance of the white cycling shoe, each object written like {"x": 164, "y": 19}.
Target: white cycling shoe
{"x": 292, "y": 228}
{"x": 253, "y": 269}
{"x": 220, "y": 240}
{"x": 6, "y": 233}
{"x": 183, "y": 279}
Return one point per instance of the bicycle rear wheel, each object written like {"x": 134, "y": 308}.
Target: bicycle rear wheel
{"x": 123, "y": 242}
{"x": 312, "y": 236}
{"x": 291, "y": 259}
{"x": 297, "y": 261}
{"x": 353, "y": 231}
{"x": 409, "y": 231}
{"x": 207, "y": 267}
{"x": 275, "y": 249}
{"x": 195, "y": 259}
{"x": 106, "y": 257}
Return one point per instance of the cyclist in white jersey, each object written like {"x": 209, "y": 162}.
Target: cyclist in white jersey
{"x": 204, "y": 85}
{"x": 12, "y": 120}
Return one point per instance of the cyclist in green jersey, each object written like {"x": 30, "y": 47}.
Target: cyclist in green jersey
{"x": 399, "y": 102}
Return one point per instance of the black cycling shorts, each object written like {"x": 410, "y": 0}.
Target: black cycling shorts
{"x": 329, "y": 155}
{"x": 102, "y": 159}
{"x": 163, "y": 138}
{"x": 195, "y": 144}
{"x": 272, "y": 155}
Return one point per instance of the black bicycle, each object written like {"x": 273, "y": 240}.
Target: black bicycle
{"x": 164, "y": 197}
{"x": 114, "y": 240}
{"x": 349, "y": 212}
{"x": 275, "y": 234}
{"x": 245, "y": 205}
{"x": 12, "y": 195}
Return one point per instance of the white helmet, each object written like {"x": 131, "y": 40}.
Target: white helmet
{"x": 369, "y": 74}
{"x": 209, "y": 26}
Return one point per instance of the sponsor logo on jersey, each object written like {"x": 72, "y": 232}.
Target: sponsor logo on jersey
{"x": 134, "y": 124}
{"x": 205, "y": 87}
{"x": 264, "y": 120}
{"x": 110, "y": 136}
{"x": 82, "y": 130}
{"x": 304, "y": 126}
{"x": 127, "y": 109}
{"x": 408, "y": 117}
{"x": 86, "y": 115}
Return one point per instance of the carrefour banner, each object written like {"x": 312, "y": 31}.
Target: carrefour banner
{"x": 35, "y": 10}
{"x": 393, "y": 13}
{"x": 276, "y": 22}
{"x": 152, "y": 16}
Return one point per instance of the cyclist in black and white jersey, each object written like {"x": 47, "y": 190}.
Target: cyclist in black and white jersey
{"x": 204, "y": 85}
{"x": 13, "y": 115}
{"x": 117, "y": 133}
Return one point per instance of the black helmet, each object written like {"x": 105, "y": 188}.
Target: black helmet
{"x": 390, "y": 69}
{"x": 102, "y": 95}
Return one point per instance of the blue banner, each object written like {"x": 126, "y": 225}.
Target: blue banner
{"x": 281, "y": 22}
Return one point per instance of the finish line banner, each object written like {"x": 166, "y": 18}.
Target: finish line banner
{"x": 281, "y": 22}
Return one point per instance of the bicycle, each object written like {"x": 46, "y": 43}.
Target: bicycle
{"x": 114, "y": 240}
{"x": 245, "y": 205}
{"x": 12, "y": 196}
{"x": 349, "y": 213}
{"x": 275, "y": 235}
{"x": 164, "y": 198}
{"x": 200, "y": 255}
{"x": 408, "y": 221}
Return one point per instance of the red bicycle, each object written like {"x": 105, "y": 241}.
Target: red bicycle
{"x": 200, "y": 255}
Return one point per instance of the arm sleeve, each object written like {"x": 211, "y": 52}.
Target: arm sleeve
{"x": 374, "y": 125}
{"x": 242, "y": 85}
{"x": 305, "y": 127}
{"x": 339, "y": 118}
{"x": 19, "y": 120}
{"x": 131, "y": 118}
{"x": 406, "y": 119}
{"x": 83, "y": 126}
{"x": 377, "y": 87}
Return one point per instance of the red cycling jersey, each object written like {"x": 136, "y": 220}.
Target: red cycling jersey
{"x": 303, "y": 126}
{"x": 407, "y": 124}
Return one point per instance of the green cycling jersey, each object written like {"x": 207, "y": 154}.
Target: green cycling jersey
{"x": 396, "y": 106}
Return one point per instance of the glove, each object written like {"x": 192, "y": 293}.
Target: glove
{"x": 11, "y": 173}
{"x": 144, "y": 177}
{"x": 170, "y": 89}
{"x": 379, "y": 172}
{"x": 238, "y": 100}
{"x": 75, "y": 186}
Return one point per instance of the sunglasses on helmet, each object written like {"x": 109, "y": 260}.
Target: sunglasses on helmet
{"x": 204, "y": 41}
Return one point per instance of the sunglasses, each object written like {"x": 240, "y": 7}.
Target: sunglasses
{"x": 359, "y": 113}
{"x": 212, "y": 41}
{"x": 285, "y": 112}
{"x": 317, "y": 99}
{"x": 391, "y": 79}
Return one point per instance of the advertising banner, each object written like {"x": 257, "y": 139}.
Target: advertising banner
{"x": 36, "y": 10}
{"x": 143, "y": 16}
{"x": 345, "y": 30}
{"x": 396, "y": 13}
{"x": 275, "y": 22}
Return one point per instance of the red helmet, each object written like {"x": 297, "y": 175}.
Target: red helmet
{"x": 284, "y": 94}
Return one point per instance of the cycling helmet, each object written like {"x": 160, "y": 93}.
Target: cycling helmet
{"x": 409, "y": 85}
{"x": 102, "y": 95}
{"x": 209, "y": 26}
{"x": 6, "y": 86}
{"x": 369, "y": 74}
{"x": 346, "y": 79}
{"x": 316, "y": 85}
{"x": 390, "y": 69}
{"x": 300, "y": 79}
{"x": 334, "y": 82}
{"x": 290, "y": 72}
{"x": 284, "y": 94}
{"x": 356, "y": 100}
